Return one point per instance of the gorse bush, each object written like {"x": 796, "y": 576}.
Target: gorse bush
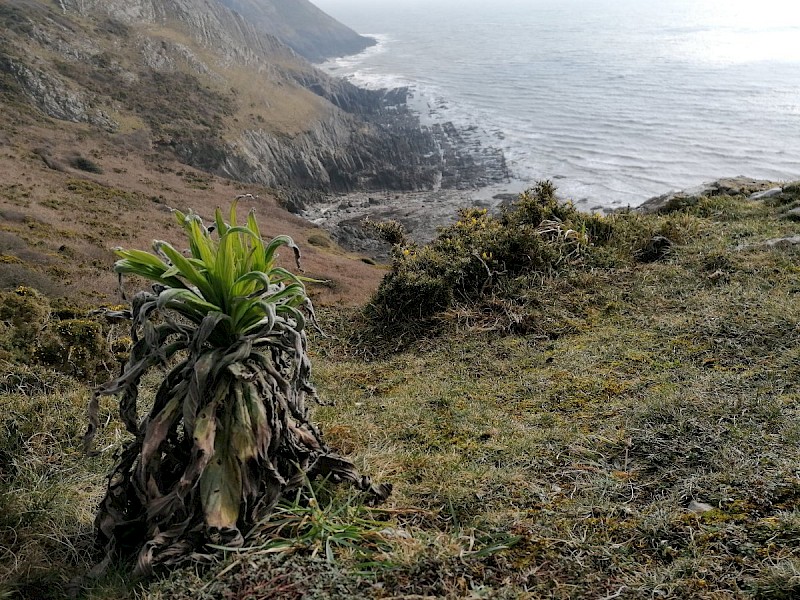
{"x": 37, "y": 331}
{"x": 477, "y": 259}
{"x": 469, "y": 257}
{"x": 228, "y": 433}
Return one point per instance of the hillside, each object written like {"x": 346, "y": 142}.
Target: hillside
{"x": 113, "y": 110}
{"x": 58, "y": 222}
{"x": 609, "y": 416}
{"x": 194, "y": 81}
{"x": 302, "y": 26}
{"x": 568, "y": 405}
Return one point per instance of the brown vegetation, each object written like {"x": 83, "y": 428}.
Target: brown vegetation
{"x": 59, "y": 226}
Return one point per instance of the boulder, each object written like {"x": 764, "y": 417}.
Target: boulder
{"x": 770, "y": 193}
{"x": 783, "y": 242}
{"x": 731, "y": 186}
{"x": 699, "y": 507}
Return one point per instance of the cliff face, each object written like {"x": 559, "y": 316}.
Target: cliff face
{"x": 195, "y": 79}
{"x": 302, "y": 26}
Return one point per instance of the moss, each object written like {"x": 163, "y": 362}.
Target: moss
{"x": 26, "y": 311}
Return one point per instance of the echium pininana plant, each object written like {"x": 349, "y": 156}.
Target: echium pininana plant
{"x": 228, "y": 433}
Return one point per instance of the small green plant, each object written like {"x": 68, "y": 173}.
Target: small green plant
{"x": 228, "y": 434}
{"x": 391, "y": 232}
{"x": 318, "y": 526}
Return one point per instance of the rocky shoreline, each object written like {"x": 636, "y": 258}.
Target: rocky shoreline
{"x": 401, "y": 153}
{"x": 421, "y": 212}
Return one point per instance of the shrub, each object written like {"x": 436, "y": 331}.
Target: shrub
{"x": 319, "y": 240}
{"x": 84, "y": 164}
{"x": 469, "y": 258}
{"x": 39, "y": 332}
{"x": 76, "y": 347}
{"x": 24, "y": 313}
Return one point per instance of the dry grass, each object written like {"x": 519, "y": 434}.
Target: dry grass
{"x": 650, "y": 450}
{"x": 648, "y": 447}
{"x": 59, "y": 227}
{"x": 48, "y": 490}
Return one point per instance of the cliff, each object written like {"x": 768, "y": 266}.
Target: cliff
{"x": 302, "y": 26}
{"x": 195, "y": 80}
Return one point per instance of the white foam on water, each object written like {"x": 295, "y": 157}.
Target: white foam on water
{"x": 618, "y": 101}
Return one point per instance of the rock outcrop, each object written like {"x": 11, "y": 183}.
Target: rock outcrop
{"x": 754, "y": 189}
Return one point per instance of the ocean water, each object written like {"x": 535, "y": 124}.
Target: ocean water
{"x": 615, "y": 100}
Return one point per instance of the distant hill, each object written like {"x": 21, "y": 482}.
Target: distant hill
{"x": 199, "y": 81}
{"x": 302, "y": 26}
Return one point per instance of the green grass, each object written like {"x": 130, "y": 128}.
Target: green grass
{"x": 546, "y": 441}
{"x": 48, "y": 489}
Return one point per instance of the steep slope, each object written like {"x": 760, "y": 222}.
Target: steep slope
{"x": 302, "y": 26}
{"x": 111, "y": 109}
{"x": 195, "y": 80}
{"x": 101, "y": 102}
{"x": 59, "y": 222}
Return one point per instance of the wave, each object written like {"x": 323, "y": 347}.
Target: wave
{"x": 606, "y": 122}
{"x": 341, "y": 66}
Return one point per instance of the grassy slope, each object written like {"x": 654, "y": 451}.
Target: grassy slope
{"x": 559, "y": 463}
{"x": 58, "y": 226}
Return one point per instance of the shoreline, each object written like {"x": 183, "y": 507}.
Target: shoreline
{"x": 422, "y": 212}
{"x": 458, "y": 170}
{"x": 474, "y": 173}
{"x": 601, "y": 164}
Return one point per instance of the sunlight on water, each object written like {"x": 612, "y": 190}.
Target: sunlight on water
{"x": 743, "y": 31}
{"x": 719, "y": 47}
{"x": 618, "y": 100}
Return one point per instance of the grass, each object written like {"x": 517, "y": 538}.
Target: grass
{"x": 624, "y": 431}
{"x": 48, "y": 489}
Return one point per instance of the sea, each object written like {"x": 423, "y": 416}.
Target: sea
{"x": 615, "y": 101}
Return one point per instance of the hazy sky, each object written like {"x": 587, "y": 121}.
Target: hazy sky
{"x": 773, "y": 11}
